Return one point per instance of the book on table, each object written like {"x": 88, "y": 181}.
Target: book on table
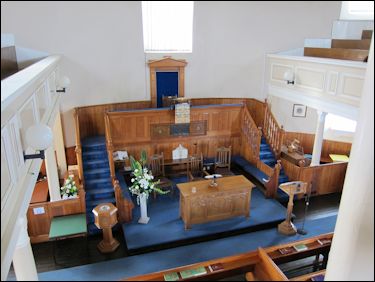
{"x": 324, "y": 241}
{"x": 173, "y": 276}
{"x": 300, "y": 247}
{"x": 216, "y": 267}
{"x": 286, "y": 250}
{"x": 193, "y": 272}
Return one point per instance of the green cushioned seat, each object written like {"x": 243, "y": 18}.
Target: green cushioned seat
{"x": 68, "y": 225}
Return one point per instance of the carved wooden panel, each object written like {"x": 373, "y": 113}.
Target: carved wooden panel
{"x": 160, "y": 130}
{"x": 198, "y": 128}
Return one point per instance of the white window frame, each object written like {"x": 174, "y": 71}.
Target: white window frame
{"x": 173, "y": 31}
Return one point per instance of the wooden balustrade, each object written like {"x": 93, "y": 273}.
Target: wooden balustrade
{"x": 324, "y": 179}
{"x": 273, "y": 133}
{"x": 251, "y": 136}
{"x": 78, "y": 148}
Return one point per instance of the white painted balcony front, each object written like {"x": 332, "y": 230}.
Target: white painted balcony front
{"x": 328, "y": 85}
{"x": 27, "y": 97}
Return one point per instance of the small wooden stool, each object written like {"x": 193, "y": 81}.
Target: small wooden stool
{"x": 106, "y": 218}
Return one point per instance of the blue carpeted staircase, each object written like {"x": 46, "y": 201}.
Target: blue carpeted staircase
{"x": 97, "y": 177}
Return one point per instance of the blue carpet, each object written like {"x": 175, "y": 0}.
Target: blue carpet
{"x": 157, "y": 261}
{"x": 165, "y": 225}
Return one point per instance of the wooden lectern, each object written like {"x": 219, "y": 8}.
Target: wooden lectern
{"x": 105, "y": 218}
{"x": 291, "y": 188}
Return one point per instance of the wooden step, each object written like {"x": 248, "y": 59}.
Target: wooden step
{"x": 363, "y": 44}
{"x": 337, "y": 53}
{"x": 366, "y": 34}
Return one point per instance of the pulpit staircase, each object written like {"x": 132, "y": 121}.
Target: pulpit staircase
{"x": 262, "y": 151}
{"x": 98, "y": 184}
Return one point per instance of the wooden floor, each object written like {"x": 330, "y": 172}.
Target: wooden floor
{"x": 77, "y": 251}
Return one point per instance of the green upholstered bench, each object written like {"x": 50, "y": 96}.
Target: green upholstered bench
{"x": 67, "y": 226}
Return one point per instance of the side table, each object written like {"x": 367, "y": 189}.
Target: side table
{"x": 105, "y": 218}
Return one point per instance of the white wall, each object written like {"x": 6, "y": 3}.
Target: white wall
{"x": 103, "y": 46}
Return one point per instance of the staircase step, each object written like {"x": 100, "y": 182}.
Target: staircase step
{"x": 90, "y": 204}
{"x": 99, "y": 192}
{"x": 97, "y": 183}
{"x": 95, "y": 155}
{"x": 97, "y": 173}
{"x": 93, "y": 164}
{"x": 94, "y": 140}
{"x": 267, "y": 155}
{"x": 270, "y": 162}
{"x": 94, "y": 147}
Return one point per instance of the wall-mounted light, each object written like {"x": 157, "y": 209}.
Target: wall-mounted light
{"x": 38, "y": 137}
{"x": 64, "y": 83}
{"x": 289, "y": 77}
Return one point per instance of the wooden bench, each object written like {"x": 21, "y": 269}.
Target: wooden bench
{"x": 265, "y": 269}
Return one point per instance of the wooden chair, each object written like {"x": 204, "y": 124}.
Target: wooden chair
{"x": 156, "y": 165}
{"x": 195, "y": 168}
{"x": 222, "y": 160}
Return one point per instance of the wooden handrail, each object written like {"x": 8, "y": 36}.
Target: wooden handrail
{"x": 78, "y": 148}
{"x": 109, "y": 143}
{"x": 272, "y": 131}
{"x": 252, "y": 134}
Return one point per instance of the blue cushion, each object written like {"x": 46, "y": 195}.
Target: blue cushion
{"x": 259, "y": 175}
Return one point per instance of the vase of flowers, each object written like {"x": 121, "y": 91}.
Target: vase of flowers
{"x": 143, "y": 184}
{"x": 69, "y": 190}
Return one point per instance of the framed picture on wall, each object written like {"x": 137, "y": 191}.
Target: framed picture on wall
{"x": 299, "y": 110}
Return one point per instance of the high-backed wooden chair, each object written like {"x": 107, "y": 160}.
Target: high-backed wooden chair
{"x": 195, "y": 168}
{"x": 222, "y": 160}
{"x": 156, "y": 165}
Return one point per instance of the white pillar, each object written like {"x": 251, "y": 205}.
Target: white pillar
{"x": 58, "y": 140}
{"x": 52, "y": 176}
{"x": 23, "y": 258}
{"x": 352, "y": 252}
{"x": 318, "y": 142}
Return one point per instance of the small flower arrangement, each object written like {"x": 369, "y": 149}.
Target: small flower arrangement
{"x": 143, "y": 180}
{"x": 69, "y": 190}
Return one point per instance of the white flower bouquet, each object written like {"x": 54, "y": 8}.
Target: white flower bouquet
{"x": 143, "y": 180}
{"x": 69, "y": 190}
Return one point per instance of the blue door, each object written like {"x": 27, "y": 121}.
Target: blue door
{"x": 166, "y": 85}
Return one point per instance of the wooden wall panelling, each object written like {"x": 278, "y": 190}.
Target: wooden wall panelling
{"x": 325, "y": 179}
{"x": 38, "y": 224}
{"x": 329, "y": 146}
{"x": 256, "y": 109}
{"x": 127, "y": 133}
{"x": 71, "y": 157}
{"x": 91, "y": 118}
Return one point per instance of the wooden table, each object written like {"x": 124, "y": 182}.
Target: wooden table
{"x": 200, "y": 203}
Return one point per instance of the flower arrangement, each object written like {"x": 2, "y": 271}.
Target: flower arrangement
{"x": 69, "y": 190}
{"x": 143, "y": 180}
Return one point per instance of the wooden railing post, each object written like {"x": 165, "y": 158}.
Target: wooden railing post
{"x": 78, "y": 148}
